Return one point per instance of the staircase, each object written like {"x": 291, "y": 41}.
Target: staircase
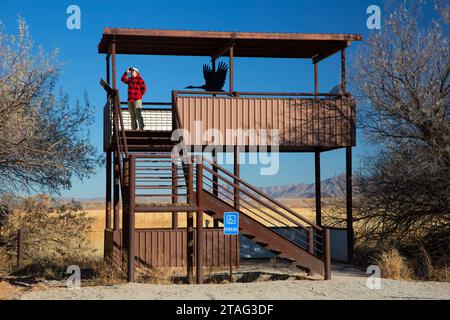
{"x": 154, "y": 180}
{"x": 262, "y": 219}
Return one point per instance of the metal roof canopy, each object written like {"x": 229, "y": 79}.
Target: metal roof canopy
{"x": 215, "y": 43}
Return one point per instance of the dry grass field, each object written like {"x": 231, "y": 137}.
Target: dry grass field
{"x": 96, "y": 211}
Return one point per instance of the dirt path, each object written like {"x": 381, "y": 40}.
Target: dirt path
{"x": 346, "y": 284}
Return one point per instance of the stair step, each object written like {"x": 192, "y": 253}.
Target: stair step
{"x": 148, "y": 148}
{"x": 150, "y": 143}
{"x": 274, "y": 251}
{"x": 157, "y": 186}
{"x": 262, "y": 244}
{"x": 146, "y": 137}
{"x": 147, "y": 133}
{"x": 154, "y": 168}
{"x": 249, "y": 236}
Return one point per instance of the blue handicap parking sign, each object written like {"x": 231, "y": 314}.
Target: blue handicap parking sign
{"x": 231, "y": 223}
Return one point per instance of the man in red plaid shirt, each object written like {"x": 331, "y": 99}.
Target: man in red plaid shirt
{"x": 136, "y": 89}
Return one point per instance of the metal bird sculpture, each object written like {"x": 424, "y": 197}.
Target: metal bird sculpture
{"x": 214, "y": 80}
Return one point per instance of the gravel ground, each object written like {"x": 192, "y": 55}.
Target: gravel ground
{"x": 346, "y": 284}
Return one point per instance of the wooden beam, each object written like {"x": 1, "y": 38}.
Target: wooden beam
{"x": 318, "y": 189}
{"x": 114, "y": 71}
{"x": 227, "y": 34}
{"x": 107, "y": 87}
{"x": 236, "y": 173}
{"x": 215, "y": 182}
{"x": 131, "y": 217}
{"x": 174, "y": 193}
{"x": 327, "y": 252}
{"x": 108, "y": 190}
{"x": 108, "y": 69}
{"x": 200, "y": 247}
{"x": 250, "y": 53}
{"x": 327, "y": 53}
{"x": 316, "y": 78}
{"x": 215, "y": 45}
{"x": 108, "y": 158}
{"x": 116, "y": 193}
{"x": 343, "y": 80}
{"x": 125, "y": 215}
{"x": 223, "y": 49}
{"x": 350, "y": 233}
{"x": 213, "y": 62}
{"x": 163, "y": 209}
{"x": 190, "y": 224}
{"x": 231, "y": 69}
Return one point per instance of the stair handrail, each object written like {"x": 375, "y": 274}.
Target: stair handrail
{"x": 118, "y": 128}
{"x": 113, "y": 94}
{"x": 258, "y": 201}
{"x": 122, "y": 127}
{"x": 236, "y": 178}
{"x": 262, "y": 214}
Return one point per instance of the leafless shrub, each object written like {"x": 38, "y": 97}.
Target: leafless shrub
{"x": 393, "y": 265}
{"x": 53, "y": 231}
{"x": 402, "y": 81}
{"x": 107, "y": 274}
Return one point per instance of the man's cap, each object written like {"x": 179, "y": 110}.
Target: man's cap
{"x": 135, "y": 69}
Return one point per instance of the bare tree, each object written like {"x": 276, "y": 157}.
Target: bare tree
{"x": 44, "y": 139}
{"x": 402, "y": 77}
{"x": 402, "y": 81}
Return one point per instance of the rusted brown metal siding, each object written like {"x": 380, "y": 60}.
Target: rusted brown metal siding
{"x": 301, "y": 122}
{"x": 167, "y": 247}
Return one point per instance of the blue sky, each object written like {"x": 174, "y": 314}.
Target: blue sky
{"x": 84, "y": 66}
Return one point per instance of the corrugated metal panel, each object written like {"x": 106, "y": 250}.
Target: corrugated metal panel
{"x": 300, "y": 122}
{"x": 167, "y": 247}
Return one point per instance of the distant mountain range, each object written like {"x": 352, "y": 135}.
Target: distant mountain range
{"x": 330, "y": 187}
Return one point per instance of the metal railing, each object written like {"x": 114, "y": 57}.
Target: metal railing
{"x": 160, "y": 181}
{"x": 118, "y": 132}
{"x": 260, "y": 207}
{"x": 254, "y": 93}
{"x": 154, "y": 119}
